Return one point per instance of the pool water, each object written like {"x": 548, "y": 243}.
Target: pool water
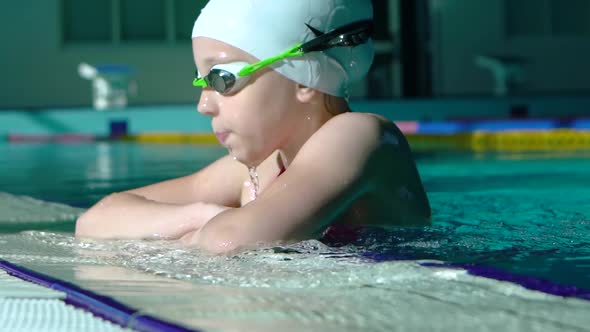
{"x": 528, "y": 214}
{"x": 523, "y": 214}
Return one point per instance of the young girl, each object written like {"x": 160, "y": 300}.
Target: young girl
{"x": 275, "y": 76}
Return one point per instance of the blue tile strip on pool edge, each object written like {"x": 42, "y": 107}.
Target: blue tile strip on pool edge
{"x": 101, "y": 306}
{"x": 532, "y": 283}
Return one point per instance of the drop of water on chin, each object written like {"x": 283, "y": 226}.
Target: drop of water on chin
{"x": 229, "y": 151}
{"x": 254, "y": 180}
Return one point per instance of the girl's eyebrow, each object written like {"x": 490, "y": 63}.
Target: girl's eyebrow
{"x": 215, "y": 60}
{"x": 211, "y": 61}
{"x": 208, "y": 62}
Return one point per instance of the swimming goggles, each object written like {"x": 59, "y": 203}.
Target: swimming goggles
{"x": 229, "y": 78}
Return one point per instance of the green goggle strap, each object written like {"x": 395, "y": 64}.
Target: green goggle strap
{"x": 200, "y": 82}
{"x": 252, "y": 68}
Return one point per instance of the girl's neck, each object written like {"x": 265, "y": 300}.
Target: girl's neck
{"x": 308, "y": 121}
{"x": 307, "y": 127}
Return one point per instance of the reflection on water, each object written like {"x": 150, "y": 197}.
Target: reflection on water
{"x": 81, "y": 174}
{"x": 19, "y": 213}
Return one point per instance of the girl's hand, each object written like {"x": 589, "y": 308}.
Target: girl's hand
{"x": 201, "y": 213}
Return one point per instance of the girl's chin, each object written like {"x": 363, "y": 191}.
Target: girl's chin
{"x": 249, "y": 160}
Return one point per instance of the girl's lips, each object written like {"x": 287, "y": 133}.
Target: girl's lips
{"x": 222, "y": 136}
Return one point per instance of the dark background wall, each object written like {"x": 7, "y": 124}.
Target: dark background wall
{"x": 429, "y": 44}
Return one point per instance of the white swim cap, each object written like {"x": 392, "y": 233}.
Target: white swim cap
{"x": 267, "y": 28}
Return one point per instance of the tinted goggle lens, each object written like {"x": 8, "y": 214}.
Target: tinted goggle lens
{"x": 223, "y": 78}
{"x": 220, "y": 80}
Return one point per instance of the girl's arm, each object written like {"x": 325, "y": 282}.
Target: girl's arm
{"x": 167, "y": 209}
{"x": 129, "y": 216}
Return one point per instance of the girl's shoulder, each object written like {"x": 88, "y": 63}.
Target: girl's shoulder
{"x": 368, "y": 129}
{"x": 361, "y": 122}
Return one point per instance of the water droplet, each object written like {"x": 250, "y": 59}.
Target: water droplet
{"x": 254, "y": 180}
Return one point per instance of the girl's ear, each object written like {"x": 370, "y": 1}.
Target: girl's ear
{"x": 307, "y": 95}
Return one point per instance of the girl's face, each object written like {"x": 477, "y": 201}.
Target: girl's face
{"x": 256, "y": 120}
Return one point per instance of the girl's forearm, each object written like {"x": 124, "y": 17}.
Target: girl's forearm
{"x": 130, "y": 216}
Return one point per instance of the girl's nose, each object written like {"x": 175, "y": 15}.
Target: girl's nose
{"x": 207, "y": 103}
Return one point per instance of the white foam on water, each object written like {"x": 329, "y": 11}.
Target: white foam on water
{"x": 305, "y": 286}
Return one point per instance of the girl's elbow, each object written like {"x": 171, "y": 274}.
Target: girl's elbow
{"x": 83, "y": 226}
{"x": 87, "y": 222}
{"x": 218, "y": 239}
